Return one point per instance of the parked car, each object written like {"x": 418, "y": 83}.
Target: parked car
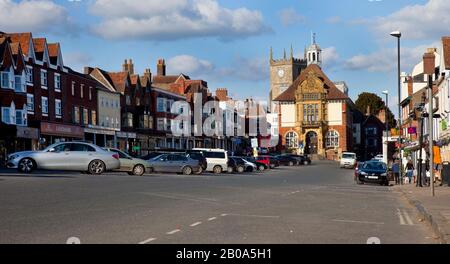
{"x": 248, "y": 165}
{"x": 236, "y": 165}
{"x": 302, "y": 159}
{"x": 348, "y": 160}
{"x": 177, "y": 163}
{"x": 151, "y": 155}
{"x": 270, "y": 161}
{"x": 358, "y": 167}
{"x": 379, "y": 157}
{"x": 67, "y": 156}
{"x": 373, "y": 171}
{"x": 200, "y": 158}
{"x": 216, "y": 159}
{"x": 133, "y": 166}
{"x": 259, "y": 165}
{"x": 287, "y": 160}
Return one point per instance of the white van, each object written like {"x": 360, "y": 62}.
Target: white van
{"x": 348, "y": 160}
{"x": 217, "y": 159}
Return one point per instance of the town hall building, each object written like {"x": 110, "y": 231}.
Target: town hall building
{"x": 316, "y": 114}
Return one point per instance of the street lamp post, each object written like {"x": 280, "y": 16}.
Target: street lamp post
{"x": 387, "y": 124}
{"x": 398, "y": 35}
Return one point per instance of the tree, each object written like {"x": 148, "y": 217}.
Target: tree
{"x": 374, "y": 104}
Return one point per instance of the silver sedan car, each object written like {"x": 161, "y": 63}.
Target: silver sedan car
{"x": 67, "y": 156}
{"x": 174, "y": 163}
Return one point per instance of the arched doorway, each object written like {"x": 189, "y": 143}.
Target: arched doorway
{"x": 311, "y": 143}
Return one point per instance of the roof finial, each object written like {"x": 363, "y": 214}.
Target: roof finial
{"x": 314, "y": 38}
{"x": 284, "y": 53}
{"x": 271, "y": 54}
{"x": 292, "y": 52}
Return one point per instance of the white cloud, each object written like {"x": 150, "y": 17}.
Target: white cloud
{"x": 37, "y": 16}
{"x": 427, "y": 21}
{"x": 243, "y": 69}
{"x": 330, "y": 57}
{"x": 334, "y": 20}
{"x": 171, "y": 20}
{"x": 188, "y": 65}
{"x": 289, "y": 16}
{"x": 77, "y": 60}
{"x": 385, "y": 60}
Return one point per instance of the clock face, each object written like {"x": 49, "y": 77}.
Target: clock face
{"x": 281, "y": 73}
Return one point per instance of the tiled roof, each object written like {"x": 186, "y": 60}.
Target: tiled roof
{"x": 165, "y": 79}
{"x": 333, "y": 92}
{"x": 118, "y": 80}
{"x": 134, "y": 79}
{"x": 446, "y": 45}
{"x": 144, "y": 80}
{"x": 23, "y": 39}
{"x": 15, "y": 47}
{"x": 53, "y": 49}
{"x": 39, "y": 44}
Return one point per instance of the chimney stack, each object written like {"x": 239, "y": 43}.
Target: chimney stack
{"x": 429, "y": 62}
{"x": 222, "y": 94}
{"x": 128, "y": 67}
{"x": 161, "y": 67}
{"x": 148, "y": 74}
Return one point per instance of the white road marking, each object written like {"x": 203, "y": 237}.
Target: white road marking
{"x": 173, "y": 232}
{"x": 404, "y": 217}
{"x": 358, "y": 222}
{"x": 223, "y": 215}
{"x": 147, "y": 241}
{"x": 196, "y": 224}
{"x": 212, "y": 218}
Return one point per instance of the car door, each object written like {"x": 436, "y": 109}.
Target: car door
{"x": 175, "y": 163}
{"x": 80, "y": 156}
{"x": 159, "y": 164}
{"x": 52, "y": 159}
{"x": 126, "y": 162}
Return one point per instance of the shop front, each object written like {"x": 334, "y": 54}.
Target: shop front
{"x": 127, "y": 141}
{"x": 15, "y": 139}
{"x": 101, "y": 137}
{"x": 53, "y": 133}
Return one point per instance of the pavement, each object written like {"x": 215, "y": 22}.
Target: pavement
{"x": 317, "y": 204}
{"x": 433, "y": 210}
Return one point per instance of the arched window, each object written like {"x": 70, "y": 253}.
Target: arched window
{"x": 291, "y": 140}
{"x": 314, "y": 56}
{"x": 332, "y": 139}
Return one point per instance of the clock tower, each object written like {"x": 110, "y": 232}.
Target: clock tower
{"x": 283, "y": 72}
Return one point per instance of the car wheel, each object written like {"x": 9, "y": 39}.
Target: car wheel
{"x": 240, "y": 169}
{"x": 200, "y": 170}
{"x": 138, "y": 170}
{"x": 26, "y": 165}
{"x": 305, "y": 162}
{"x": 261, "y": 168}
{"x": 96, "y": 167}
{"x": 217, "y": 169}
{"x": 291, "y": 164}
{"x": 187, "y": 170}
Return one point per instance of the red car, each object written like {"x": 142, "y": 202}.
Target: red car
{"x": 269, "y": 161}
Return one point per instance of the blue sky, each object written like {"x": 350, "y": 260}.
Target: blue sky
{"x": 227, "y": 43}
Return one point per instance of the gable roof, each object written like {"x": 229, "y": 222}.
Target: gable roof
{"x": 333, "y": 92}
{"x": 23, "y": 38}
{"x": 119, "y": 80}
{"x": 135, "y": 79}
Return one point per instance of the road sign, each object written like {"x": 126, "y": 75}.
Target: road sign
{"x": 254, "y": 142}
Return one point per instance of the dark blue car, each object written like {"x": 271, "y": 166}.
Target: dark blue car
{"x": 373, "y": 172}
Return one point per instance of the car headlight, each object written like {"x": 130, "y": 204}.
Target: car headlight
{"x": 384, "y": 174}
{"x": 13, "y": 156}
{"x": 363, "y": 173}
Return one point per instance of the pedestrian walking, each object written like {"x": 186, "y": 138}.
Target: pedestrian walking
{"x": 396, "y": 171}
{"x": 410, "y": 171}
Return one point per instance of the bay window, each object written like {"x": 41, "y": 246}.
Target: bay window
{"x": 5, "y": 80}
{"x": 6, "y": 115}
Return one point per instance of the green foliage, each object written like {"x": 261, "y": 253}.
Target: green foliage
{"x": 376, "y": 104}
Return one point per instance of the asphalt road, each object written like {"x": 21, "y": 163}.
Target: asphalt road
{"x": 313, "y": 204}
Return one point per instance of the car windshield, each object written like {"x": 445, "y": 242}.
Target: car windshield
{"x": 348, "y": 156}
{"x": 374, "y": 166}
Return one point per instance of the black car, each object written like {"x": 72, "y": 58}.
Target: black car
{"x": 261, "y": 166}
{"x": 236, "y": 165}
{"x": 198, "y": 156}
{"x": 302, "y": 159}
{"x": 287, "y": 160}
{"x": 373, "y": 172}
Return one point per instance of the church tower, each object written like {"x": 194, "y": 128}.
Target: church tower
{"x": 283, "y": 72}
{"x": 313, "y": 53}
